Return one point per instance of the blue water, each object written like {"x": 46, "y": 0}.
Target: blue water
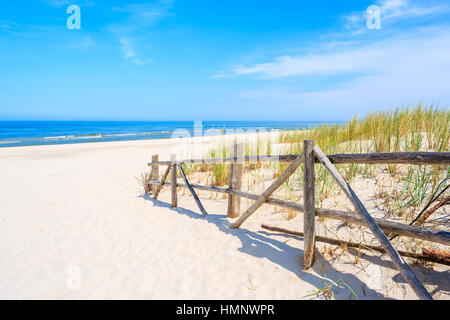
{"x": 28, "y": 133}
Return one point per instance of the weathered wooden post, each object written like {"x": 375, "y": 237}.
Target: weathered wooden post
{"x": 174, "y": 181}
{"x": 234, "y": 201}
{"x": 155, "y": 173}
{"x": 309, "y": 203}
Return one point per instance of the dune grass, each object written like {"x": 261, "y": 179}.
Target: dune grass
{"x": 421, "y": 128}
{"x": 221, "y": 171}
{"x": 410, "y": 129}
{"x": 403, "y": 130}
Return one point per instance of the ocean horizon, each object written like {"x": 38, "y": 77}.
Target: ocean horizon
{"x": 30, "y": 133}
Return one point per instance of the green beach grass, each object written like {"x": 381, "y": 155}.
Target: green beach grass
{"x": 421, "y": 128}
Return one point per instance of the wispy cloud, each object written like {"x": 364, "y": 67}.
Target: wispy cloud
{"x": 46, "y": 35}
{"x": 404, "y": 64}
{"x": 393, "y": 11}
{"x": 61, "y": 3}
{"x": 138, "y": 17}
{"x": 128, "y": 51}
{"x": 8, "y": 26}
{"x": 142, "y": 15}
{"x": 402, "y": 69}
{"x": 82, "y": 43}
{"x": 57, "y": 3}
{"x": 420, "y": 48}
{"x": 347, "y": 54}
{"x": 354, "y": 60}
{"x": 127, "y": 48}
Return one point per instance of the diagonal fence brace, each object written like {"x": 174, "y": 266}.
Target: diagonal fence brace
{"x": 197, "y": 200}
{"x": 268, "y": 192}
{"x": 399, "y": 263}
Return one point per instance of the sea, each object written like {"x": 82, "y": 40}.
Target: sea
{"x": 30, "y": 133}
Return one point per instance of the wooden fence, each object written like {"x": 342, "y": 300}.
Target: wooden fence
{"x": 313, "y": 154}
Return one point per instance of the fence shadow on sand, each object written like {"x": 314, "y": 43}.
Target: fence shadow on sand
{"x": 260, "y": 246}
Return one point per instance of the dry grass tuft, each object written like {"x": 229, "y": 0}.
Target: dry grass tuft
{"x": 144, "y": 182}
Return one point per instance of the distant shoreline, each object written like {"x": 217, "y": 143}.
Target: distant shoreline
{"x": 26, "y": 133}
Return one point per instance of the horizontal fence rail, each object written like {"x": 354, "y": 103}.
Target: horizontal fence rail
{"x": 356, "y": 245}
{"x": 416, "y": 158}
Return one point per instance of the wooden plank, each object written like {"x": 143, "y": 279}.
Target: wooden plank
{"x": 188, "y": 185}
{"x": 392, "y": 227}
{"x": 155, "y": 172}
{"x": 440, "y": 255}
{"x": 230, "y": 211}
{"x": 268, "y": 192}
{"x": 416, "y": 158}
{"x": 174, "y": 182}
{"x": 387, "y": 226}
{"x": 161, "y": 184}
{"x": 246, "y": 158}
{"x": 348, "y": 244}
{"x": 234, "y": 201}
{"x": 309, "y": 203}
{"x": 161, "y": 163}
{"x": 400, "y": 264}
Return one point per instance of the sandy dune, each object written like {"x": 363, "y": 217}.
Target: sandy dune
{"x": 74, "y": 225}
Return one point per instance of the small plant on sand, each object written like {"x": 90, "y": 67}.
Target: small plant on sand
{"x": 331, "y": 288}
{"x": 143, "y": 181}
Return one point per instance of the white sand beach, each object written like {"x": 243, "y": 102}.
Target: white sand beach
{"x": 75, "y": 225}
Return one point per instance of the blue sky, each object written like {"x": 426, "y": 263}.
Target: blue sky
{"x": 220, "y": 60}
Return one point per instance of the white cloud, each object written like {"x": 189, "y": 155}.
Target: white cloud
{"x": 142, "y": 15}
{"x": 82, "y": 43}
{"x": 138, "y": 18}
{"x": 393, "y": 11}
{"x": 60, "y": 3}
{"x": 347, "y": 54}
{"x": 127, "y": 48}
{"x": 57, "y": 3}
{"x": 52, "y": 36}
{"x": 421, "y": 48}
{"x": 355, "y": 60}
{"x": 128, "y": 51}
{"x": 403, "y": 65}
{"x": 404, "y": 69}
{"x": 7, "y": 26}
{"x": 141, "y": 62}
